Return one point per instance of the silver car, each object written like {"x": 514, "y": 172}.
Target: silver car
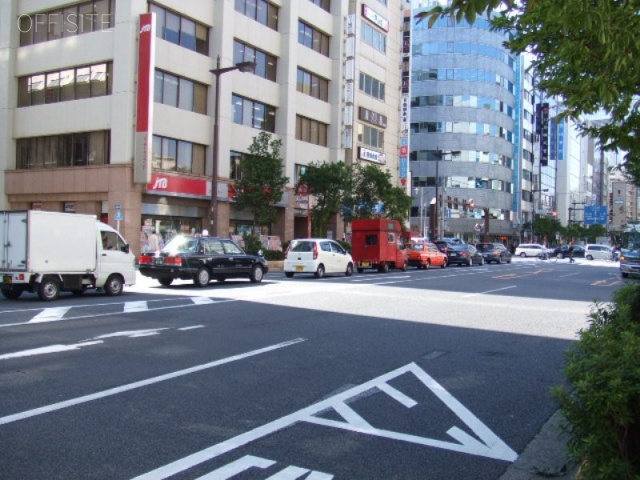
{"x": 317, "y": 256}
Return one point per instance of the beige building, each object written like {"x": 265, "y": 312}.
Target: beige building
{"x": 327, "y": 82}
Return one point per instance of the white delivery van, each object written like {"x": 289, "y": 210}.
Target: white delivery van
{"x": 49, "y": 252}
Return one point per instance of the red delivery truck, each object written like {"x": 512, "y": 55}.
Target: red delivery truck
{"x": 377, "y": 243}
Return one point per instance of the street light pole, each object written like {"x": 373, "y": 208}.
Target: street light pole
{"x": 217, "y": 72}
{"x": 533, "y": 218}
{"x": 436, "y": 222}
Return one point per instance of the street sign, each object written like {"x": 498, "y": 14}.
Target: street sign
{"x": 119, "y": 216}
{"x": 595, "y": 215}
{"x": 117, "y": 206}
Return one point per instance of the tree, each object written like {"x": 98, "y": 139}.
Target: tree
{"x": 327, "y": 182}
{"x": 262, "y": 182}
{"x": 586, "y": 52}
{"x": 373, "y": 195}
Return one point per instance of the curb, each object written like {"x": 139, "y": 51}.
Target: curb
{"x": 545, "y": 457}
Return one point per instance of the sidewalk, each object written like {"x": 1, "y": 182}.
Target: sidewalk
{"x": 545, "y": 457}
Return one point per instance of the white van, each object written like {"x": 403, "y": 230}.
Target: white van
{"x": 594, "y": 251}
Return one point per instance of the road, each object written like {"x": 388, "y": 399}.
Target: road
{"x": 434, "y": 374}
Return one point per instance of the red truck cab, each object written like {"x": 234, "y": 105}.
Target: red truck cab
{"x": 377, "y": 243}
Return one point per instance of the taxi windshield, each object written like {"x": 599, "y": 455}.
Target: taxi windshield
{"x": 181, "y": 244}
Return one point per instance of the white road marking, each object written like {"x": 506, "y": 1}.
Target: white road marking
{"x": 58, "y": 317}
{"x": 568, "y": 275}
{"x": 47, "y": 350}
{"x": 488, "y": 291}
{"x": 202, "y": 300}
{"x": 142, "y": 383}
{"x": 241, "y": 465}
{"x": 130, "y": 307}
{"x": 489, "y": 445}
{"x": 184, "y": 329}
{"x": 50, "y": 314}
{"x": 133, "y": 333}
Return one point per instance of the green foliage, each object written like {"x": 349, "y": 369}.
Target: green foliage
{"x": 262, "y": 182}
{"x": 586, "y": 52}
{"x": 345, "y": 245}
{"x": 252, "y": 243}
{"x": 353, "y": 190}
{"x": 602, "y": 403}
{"x": 273, "y": 255}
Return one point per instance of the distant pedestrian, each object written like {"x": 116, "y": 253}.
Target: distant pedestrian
{"x": 571, "y": 259}
{"x": 153, "y": 242}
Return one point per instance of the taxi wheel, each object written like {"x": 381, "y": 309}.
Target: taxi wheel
{"x": 427, "y": 265}
{"x": 444, "y": 264}
{"x": 203, "y": 277}
{"x": 256, "y": 274}
{"x": 288, "y": 274}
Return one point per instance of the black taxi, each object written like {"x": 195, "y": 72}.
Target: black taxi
{"x": 201, "y": 259}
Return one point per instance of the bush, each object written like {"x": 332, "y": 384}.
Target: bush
{"x": 273, "y": 255}
{"x": 602, "y": 403}
{"x": 345, "y": 245}
{"x": 252, "y": 243}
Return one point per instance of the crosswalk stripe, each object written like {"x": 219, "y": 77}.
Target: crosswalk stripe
{"x": 135, "y": 307}
{"x": 50, "y": 314}
{"x": 201, "y": 300}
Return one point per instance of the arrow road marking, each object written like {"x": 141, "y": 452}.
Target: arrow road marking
{"x": 489, "y": 445}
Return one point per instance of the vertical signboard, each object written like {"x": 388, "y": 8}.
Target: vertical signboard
{"x": 144, "y": 98}
{"x": 405, "y": 94}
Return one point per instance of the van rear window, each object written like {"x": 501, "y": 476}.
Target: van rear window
{"x": 302, "y": 247}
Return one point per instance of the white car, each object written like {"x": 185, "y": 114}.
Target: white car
{"x": 317, "y": 256}
{"x": 530, "y": 250}
{"x": 597, "y": 251}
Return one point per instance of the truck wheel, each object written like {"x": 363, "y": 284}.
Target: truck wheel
{"x": 320, "y": 271}
{"x": 203, "y": 277}
{"x": 114, "y": 285}
{"x": 257, "y": 274}
{"x": 11, "y": 292}
{"x": 360, "y": 270}
{"x": 165, "y": 281}
{"x": 404, "y": 267}
{"x": 624, "y": 274}
{"x": 49, "y": 289}
{"x": 349, "y": 271}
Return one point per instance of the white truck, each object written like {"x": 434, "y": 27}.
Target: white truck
{"x": 49, "y": 252}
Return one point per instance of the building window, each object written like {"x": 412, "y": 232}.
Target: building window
{"x": 312, "y": 131}
{"x": 180, "y": 92}
{"x": 373, "y": 37}
{"x": 66, "y": 22}
{"x": 64, "y": 85}
{"x": 371, "y": 86}
{"x": 323, "y": 4}
{"x": 59, "y": 151}
{"x": 313, "y": 85}
{"x": 312, "y": 38}
{"x": 173, "y": 155}
{"x": 235, "y": 160}
{"x": 266, "y": 64}
{"x": 259, "y": 10}
{"x": 253, "y": 114}
{"x": 180, "y": 30}
{"x": 370, "y": 136}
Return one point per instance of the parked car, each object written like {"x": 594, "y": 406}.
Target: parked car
{"x": 201, "y": 259}
{"x": 494, "y": 252}
{"x": 464, "y": 255}
{"x": 531, "y": 250}
{"x": 563, "y": 251}
{"x": 317, "y": 256}
{"x": 425, "y": 255}
{"x": 597, "y": 251}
